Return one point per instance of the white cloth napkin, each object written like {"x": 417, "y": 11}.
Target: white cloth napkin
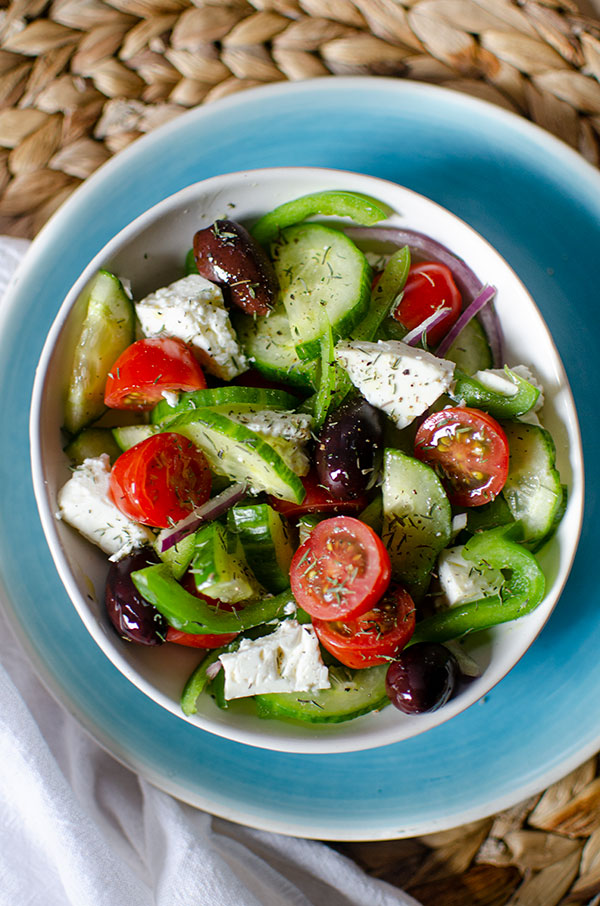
{"x": 77, "y": 828}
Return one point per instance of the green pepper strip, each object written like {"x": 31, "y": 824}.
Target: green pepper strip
{"x": 383, "y": 299}
{"x": 198, "y": 682}
{"x": 385, "y": 295}
{"x": 473, "y": 393}
{"x": 359, "y": 208}
{"x": 184, "y": 611}
{"x": 190, "y": 266}
{"x": 522, "y": 592}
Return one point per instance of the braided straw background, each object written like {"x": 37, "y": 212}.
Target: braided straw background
{"x": 81, "y": 79}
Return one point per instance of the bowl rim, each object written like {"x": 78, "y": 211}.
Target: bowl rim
{"x": 112, "y": 649}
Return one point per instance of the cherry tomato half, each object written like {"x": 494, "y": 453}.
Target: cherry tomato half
{"x": 160, "y": 480}
{"x": 318, "y": 500}
{"x": 341, "y": 570}
{"x": 468, "y": 450}
{"x": 374, "y": 637}
{"x": 195, "y": 640}
{"x": 147, "y": 368}
{"x": 429, "y": 287}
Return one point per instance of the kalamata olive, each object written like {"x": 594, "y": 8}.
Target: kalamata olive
{"x": 134, "y": 619}
{"x": 423, "y": 678}
{"x": 349, "y": 449}
{"x": 226, "y": 254}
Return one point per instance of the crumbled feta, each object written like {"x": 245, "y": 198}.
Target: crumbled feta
{"x": 171, "y": 398}
{"x": 286, "y": 432}
{"x": 193, "y": 310}
{"x": 288, "y": 660}
{"x": 397, "y": 378}
{"x": 461, "y": 581}
{"x": 459, "y": 522}
{"x": 296, "y": 426}
{"x": 85, "y": 504}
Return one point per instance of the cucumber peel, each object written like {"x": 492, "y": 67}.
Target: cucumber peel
{"x": 108, "y": 324}
{"x": 324, "y": 279}
{"x": 352, "y": 694}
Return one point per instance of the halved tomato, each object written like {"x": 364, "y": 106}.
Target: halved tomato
{"x": 376, "y": 636}
{"x": 429, "y": 287}
{"x": 468, "y": 450}
{"x": 148, "y": 368}
{"x": 160, "y": 480}
{"x": 341, "y": 570}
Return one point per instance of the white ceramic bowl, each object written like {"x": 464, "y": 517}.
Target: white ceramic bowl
{"x": 149, "y": 253}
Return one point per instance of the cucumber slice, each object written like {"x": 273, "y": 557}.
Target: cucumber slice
{"x": 417, "y": 519}
{"x": 471, "y": 351}
{"x": 268, "y": 343}
{"x": 223, "y": 398}
{"x": 533, "y": 489}
{"x": 219, "y": 567}
{"x": 324, "y": 279}
{"x": 128, "y": 436}
{"x": 267, "y": 543}
{"x": 179, "y": 556}
{"x": 352, "y": 693}
{"x": 107, "y": 330}
{"x": 90, "y": 443}
{"x": 241, "y": 454}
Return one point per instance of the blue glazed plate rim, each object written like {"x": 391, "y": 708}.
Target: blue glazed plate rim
{"x": 234, "y": 806}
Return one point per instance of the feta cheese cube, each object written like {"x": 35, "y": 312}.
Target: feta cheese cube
{"x": 85, "y": 504}
{"x": 397, "y": 378}
{"x": 461, "y": 581}
{"x": 286, "y": 432}
{"x": 288, "y": 660}
{"x": 193, "y": 310}
{"x": 293, "y": 426}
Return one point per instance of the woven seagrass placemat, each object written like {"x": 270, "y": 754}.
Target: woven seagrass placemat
{"x": 81, "y": 79}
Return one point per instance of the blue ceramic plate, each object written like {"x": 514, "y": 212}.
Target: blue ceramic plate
{"x": 538, "y": 203}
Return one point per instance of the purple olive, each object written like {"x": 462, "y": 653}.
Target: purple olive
{"x": 349, "y": 449}
{"x": 226, "y": 254}
{"x": 134, "y": 619}
{"x": 423, "y": 678}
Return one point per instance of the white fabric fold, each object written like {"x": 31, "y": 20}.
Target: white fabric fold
{"x": 77, "y": 828}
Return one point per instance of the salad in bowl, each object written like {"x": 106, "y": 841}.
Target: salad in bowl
{"x": 306, "y": 459}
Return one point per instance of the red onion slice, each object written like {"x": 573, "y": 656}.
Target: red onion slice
{"x": 414, "y": 336}
{"x": 479, "y": 302}
{"x": 468, "y": 283}
{"x": 212, "y": 509}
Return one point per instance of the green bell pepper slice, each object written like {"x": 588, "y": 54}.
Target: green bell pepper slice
{"x": 198, "y": 681}
{"x": 522, "y": 592}
{"x": 185, "y": 612}
{"x": 359, "y": 208}
{"x": 384, "y": 296}
{"x": 473, "y": 393}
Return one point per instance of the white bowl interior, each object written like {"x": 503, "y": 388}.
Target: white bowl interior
{"x": 149, "y": 253}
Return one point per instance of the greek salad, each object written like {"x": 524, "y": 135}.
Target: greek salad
{"x": 307, "y": 459}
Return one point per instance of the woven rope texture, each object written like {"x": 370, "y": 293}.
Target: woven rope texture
{"x": 81, "y": 79}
